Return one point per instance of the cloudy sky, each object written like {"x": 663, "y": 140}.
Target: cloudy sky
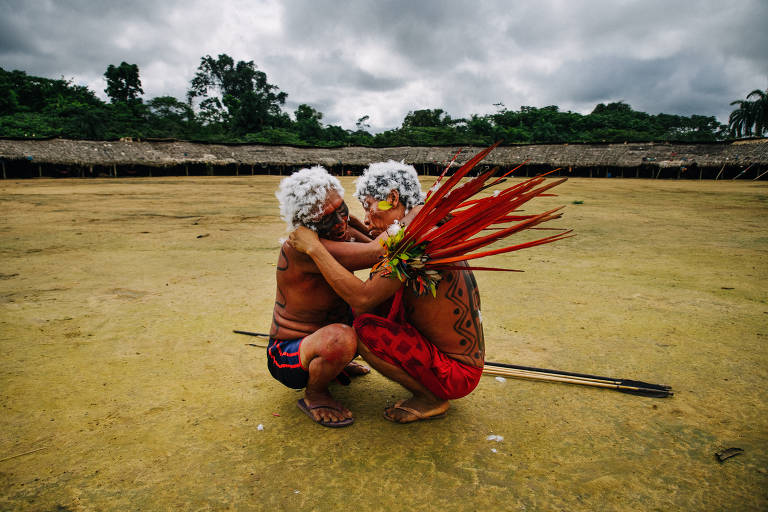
{"x": 384, "y": 58}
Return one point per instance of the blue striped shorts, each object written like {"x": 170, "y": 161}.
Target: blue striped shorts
{"x": 284, "y": 362}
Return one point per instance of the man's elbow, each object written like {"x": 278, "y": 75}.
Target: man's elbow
{"x": 362, "y": 304}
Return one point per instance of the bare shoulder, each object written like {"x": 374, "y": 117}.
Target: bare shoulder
{"x": 463, "y": 278}
{"x": 291, "y": 260}
{"x": 460, "y": 288}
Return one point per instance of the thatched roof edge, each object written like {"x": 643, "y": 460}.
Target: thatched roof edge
{"x": 173, "y": 153}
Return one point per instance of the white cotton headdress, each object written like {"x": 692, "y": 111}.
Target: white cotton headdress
{"x": 380, "y": 178}
{"x": 303, "y": 193}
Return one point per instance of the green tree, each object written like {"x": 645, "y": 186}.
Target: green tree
{"x": 123, "y": 83}
{"x": 362, "y": 123}
{"x": 427, "y": 118}
{"x": 760, "y": 110}
{"x": 333, "y": 135}
{"x": 41, "y": 107}
{"x": 480, "y": 125}
{"x": 741, "y": 120}
{"x": 308, "y": 123}
{"x": 211, "y": 111}
{"x": 274, "y": 136}
{"x": 248, "y": 102}
{"x": 618, "y": 106}
{"x": 169, "y": 117}
{"x": 168, "y": 107}
{"x": 751, "y": 117}
{"x": 361, "y": 136}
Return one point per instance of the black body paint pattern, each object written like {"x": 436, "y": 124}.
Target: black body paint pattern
{"x": 463, "y": 293}
{"x": 282, "y": 266}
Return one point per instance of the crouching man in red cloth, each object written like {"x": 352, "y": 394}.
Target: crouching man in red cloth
{"x": 433, "y": 346}
{"x": 311, "y": 341}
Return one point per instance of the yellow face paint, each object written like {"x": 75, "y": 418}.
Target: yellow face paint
{"x": 384, "y": 206}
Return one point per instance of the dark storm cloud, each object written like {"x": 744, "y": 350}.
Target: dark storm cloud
{"x": 77, "y": 40}
{"x": 12, "y": 39}
{"x": 430, "y": 34}
{"x": 670, "y": 85}
{"x": 333, "y": 69}
{"x": 384, "y": 58}
{"x": 77, "y": 31}
{"x": 686, "y": 61}
{"x": 612, "y": 78}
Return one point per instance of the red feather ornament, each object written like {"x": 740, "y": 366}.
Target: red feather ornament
{"x": 444, "y": 232}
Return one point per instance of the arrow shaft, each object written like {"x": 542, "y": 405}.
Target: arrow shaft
{"x": 552, "y": 374}
{"x": 248, "y": 333}
{"x": 560, "y": 372}
{"x": 546, "y": 377}
{"x": 652, "y": 390}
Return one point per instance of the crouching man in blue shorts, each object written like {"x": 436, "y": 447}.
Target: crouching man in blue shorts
{"x": 311, "y": 341}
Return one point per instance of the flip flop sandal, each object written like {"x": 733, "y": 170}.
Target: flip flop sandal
{"x": 420, "y": 416}
{"x": 301, "y": 404}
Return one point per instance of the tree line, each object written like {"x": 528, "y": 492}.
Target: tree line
{"x": 233, "y": 101}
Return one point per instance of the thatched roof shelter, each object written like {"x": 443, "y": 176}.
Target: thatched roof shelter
{"x": 177, "y": 154}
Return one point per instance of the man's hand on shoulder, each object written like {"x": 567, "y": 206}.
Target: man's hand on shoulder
{"x": 306, "y": 245}
{"x": 303, "y": 239}
{"x": 298, "y": 261}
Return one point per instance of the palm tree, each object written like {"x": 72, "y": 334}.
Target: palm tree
{"x": 760, "y": 110}
{"x": 751, "y": 116}
{"x": 740, "y": 121}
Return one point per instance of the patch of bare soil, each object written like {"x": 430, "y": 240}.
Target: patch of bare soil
{"x": 122, "y": 386}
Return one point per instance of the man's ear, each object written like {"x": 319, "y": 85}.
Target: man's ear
{"x": 393, "y": 198}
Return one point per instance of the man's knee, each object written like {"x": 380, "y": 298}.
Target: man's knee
{"x": 340, "y": 344}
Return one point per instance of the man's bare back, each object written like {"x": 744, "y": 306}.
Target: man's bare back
{"x": 451, "y": 321}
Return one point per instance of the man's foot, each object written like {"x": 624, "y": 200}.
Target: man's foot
{"x": 327, "y": 412}
{"x": 350, "y": 371}
{"x": 354, "y": 369}
{"x": 414, "y": 409}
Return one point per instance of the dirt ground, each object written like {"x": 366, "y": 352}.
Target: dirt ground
{"x": 122, "y": 386}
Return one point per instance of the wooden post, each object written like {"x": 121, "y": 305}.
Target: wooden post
{"x": 90, "y": 170}
{"x": 39, "y": 170}
{"x": 743, "y": 172}
{"x": 721, "y": 172}
{"x": 186, "y": 169}
{"x": 114, "y": 170}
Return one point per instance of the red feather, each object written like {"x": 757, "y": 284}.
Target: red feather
{"x": 445, "y": 231}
